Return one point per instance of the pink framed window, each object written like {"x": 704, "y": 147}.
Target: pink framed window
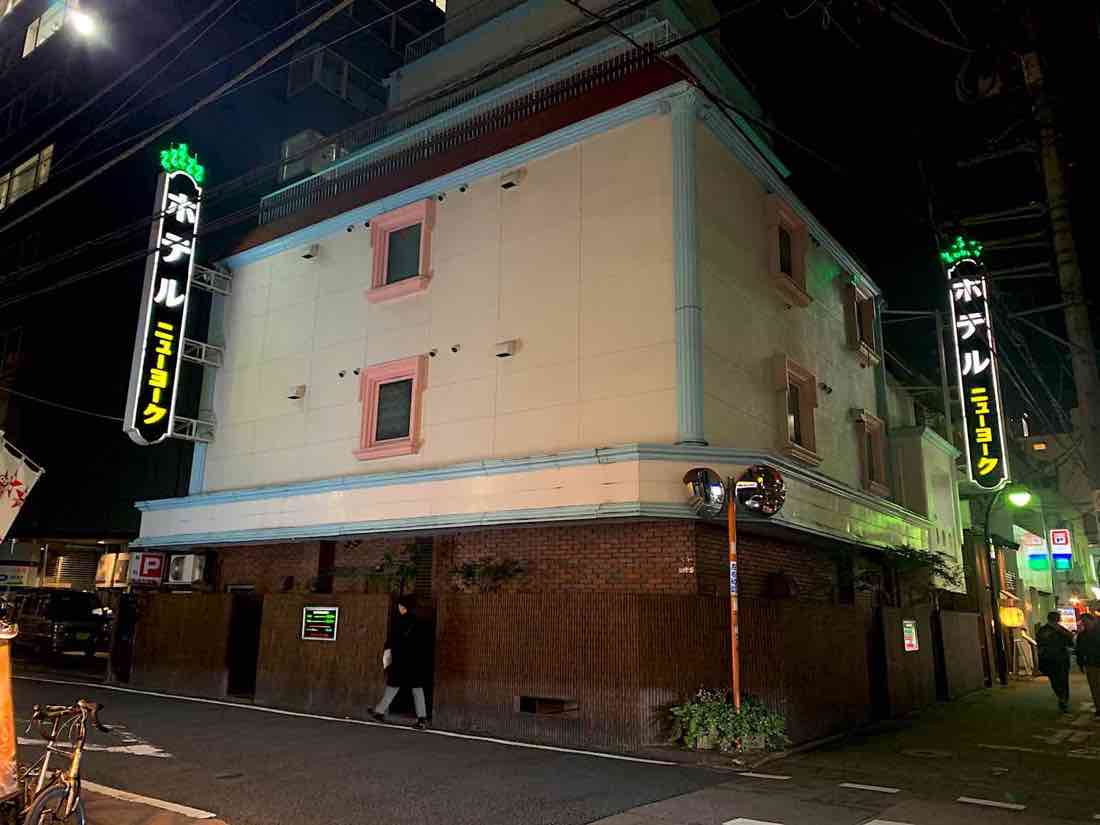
{"x": 788, "y": 242}
{"x": 391, "y": 394}
{"x": 402, "y": 242}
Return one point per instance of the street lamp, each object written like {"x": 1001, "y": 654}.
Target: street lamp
{"x": 84, "y": 23}
{"x": 1018, "y": 496}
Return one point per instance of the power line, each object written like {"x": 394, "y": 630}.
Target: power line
{"x": 206, "y": 99}
{"x": 114, "y": 83}
{"x": 58, "y": 405}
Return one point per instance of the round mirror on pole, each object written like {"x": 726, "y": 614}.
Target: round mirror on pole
{"x": 707, "y": 493}
{"x": 761, "y": 489}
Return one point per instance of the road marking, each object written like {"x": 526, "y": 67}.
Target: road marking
{"x": 1013, "y": 748}
{"x": 361, "y": 722}
{"x": 133, "y": 750}
{"x": 126, "y": 796}
{"x": 990, "y": 803}
{"x": 876, "y": 788}
{"x": 741, "y": 821}
{"x": 778, "y": 776}
{"x": 885, "y": 822}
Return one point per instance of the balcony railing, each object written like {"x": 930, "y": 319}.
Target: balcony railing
{"x": 396, "y": 142}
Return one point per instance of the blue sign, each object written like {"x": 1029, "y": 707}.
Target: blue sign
{"x": 733, "y": 578}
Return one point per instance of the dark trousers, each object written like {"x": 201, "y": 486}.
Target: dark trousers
{"x": 1059, "y": 682}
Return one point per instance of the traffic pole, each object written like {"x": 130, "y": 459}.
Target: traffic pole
{"x": 735, "y": 668}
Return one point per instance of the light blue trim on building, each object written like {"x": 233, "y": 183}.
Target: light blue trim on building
{"x": 419, "y": 523}
{"x": 688, "y": 294}
{"x": 574, "y": 458}
{"x": 198, "y": 469}
{"x": 545, "y": 145}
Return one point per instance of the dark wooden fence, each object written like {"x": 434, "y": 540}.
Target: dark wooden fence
{"x": 911, "y": 675}
{"x": 181, "y": 641}
{"x": 344, "y": 677}
{"x": 962, "y": 652}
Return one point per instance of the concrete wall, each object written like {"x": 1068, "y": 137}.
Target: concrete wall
{"x": 746, "y": 324}
{"x": 544, "y": 263}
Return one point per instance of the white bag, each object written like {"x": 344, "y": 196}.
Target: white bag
{"x": 387, "y": 658}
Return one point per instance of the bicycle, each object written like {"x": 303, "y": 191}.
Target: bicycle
{"x": 50, "y": 797}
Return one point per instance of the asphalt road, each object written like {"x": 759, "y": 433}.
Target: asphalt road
{"x": 255, "y": 768}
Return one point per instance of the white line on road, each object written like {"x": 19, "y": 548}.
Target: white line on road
{"x": 126, "y": 796}
{"x": 990, "y": 803}
{"x": 362, "y": 722}
{"x": 1013, "y": 748}
{"x": 740, "y": 821}
{"x": 877, "y": 788}
{"x": 763, "y": 775}
{"x": 142, "y": 749}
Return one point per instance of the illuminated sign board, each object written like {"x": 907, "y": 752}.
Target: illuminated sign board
{"x": 147, "y": 568}
{"x": 1061, "y": 548}
{"x": 909, "y": 635}
{"x": 976, "y": 362}
{"x": 319, "y": 623}
{"x": 1068, "y": 618}
{"x": 158, "y": 347}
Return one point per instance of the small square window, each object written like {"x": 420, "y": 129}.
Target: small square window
{"x": 871, "y": 432}
{"x": 787, "y": 245}
{"x": 859, "y": 312}
{"x": 798, "y": 394}
{"x": 403, "y": 256}
{"x": 402, "y": 241}
{"x": 391, "y": 394}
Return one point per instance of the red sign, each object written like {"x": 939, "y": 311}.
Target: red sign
{"x": 147, "y": 568}
{"x": 1060, "y": 538}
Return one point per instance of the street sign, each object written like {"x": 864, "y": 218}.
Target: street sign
{"x": 1060, "y": 539}
{"x": 909, "y": 635}
{"x": 319, "y": 623}
{"x": 976, "y": 362}
{"x": 147, "y": 568}
{"x": 158, "y": 346}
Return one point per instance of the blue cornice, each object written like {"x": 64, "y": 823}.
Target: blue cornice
{"x": 496, "y": 518}
{"x": 575, "y": 458}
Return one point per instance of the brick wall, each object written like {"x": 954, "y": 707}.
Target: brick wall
{"x": 267, "y": 566}
{"x": 623, "y": 557}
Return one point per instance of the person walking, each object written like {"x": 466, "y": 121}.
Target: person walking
{"x": 1088, "y": 656}
{"x": 1055, "y": 643}
{"x": 406, "y": 662}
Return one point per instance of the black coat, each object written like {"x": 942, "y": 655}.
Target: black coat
{"x": 410, "y": 647}
{"x": 1088, "y": 646}
{"x": 1055, "y": 644}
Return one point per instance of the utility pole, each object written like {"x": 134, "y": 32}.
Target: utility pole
{"x": 1086, "y": 376}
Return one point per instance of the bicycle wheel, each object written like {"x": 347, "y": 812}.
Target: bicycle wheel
{"x": 47, "y": 809}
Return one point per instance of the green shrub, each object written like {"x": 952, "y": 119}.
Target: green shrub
{"x": 709, "y": 721}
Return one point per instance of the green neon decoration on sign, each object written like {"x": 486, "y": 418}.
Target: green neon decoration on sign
{"x": 179, "y": 159}
{"x": 961, "y": 249}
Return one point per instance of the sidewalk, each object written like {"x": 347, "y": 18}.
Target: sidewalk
{"x": 998, "y": 754}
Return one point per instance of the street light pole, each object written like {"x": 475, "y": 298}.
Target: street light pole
{"x": 998, "y": 631}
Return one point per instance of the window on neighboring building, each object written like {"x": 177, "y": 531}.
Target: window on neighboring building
{"x": 402, "y": 251}
{"x": 296, "y": 155}
{"x": 871, "y": 433}
{"x": 27, "y": 176}
{"x": 798, "y": 395}
{"x": 330, "y": 71}
{"x": 391, "y": 394}
{"x": 45, "y": 26}
{"x": 859, "y": 316}
{"x": 787, "y": 244}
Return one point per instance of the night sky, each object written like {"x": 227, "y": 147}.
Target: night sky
{"x": 877, "y": 109}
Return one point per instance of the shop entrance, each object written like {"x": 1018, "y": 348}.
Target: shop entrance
{"x": 243, "y": 653}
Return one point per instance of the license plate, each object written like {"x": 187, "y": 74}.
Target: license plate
{"x": 81, "y": 637}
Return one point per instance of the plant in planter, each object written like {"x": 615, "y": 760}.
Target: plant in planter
{"x": 709, "y": 721}
{"x": 486, "y": 574}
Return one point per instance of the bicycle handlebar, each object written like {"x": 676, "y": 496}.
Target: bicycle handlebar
{"x": 84, "y": 708}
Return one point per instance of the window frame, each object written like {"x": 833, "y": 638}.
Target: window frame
{"x": 860, "y": 311}
{"x": 871, "y": 431}
{"x": 381, "y": 227}
{"x": 790, "y": 285}
{"x": 370, "y": 381}
{"x": 788, "y": 373}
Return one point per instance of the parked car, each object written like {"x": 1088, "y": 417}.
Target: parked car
{"x": 53, "y": 622}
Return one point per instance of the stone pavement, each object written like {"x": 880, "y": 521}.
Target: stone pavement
{"x": 1000, "y": 754}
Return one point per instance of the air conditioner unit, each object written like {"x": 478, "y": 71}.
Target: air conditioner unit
{"x": 186, "y": 569}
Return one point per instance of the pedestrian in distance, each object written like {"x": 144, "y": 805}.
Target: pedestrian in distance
{"x": 1055, "y": 644}
{"x": 405, "y": 661}
{"x": 1088, "y": 656}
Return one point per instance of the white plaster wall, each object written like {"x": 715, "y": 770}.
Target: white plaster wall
{"x": 745, "y": 324}
{"x": 576, "y": 263}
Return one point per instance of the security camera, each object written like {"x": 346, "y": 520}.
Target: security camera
{"x": 342, "y": 373}
{"x": 366, "y": 224}
{"x": 355, "y": 371}
{"x": 351, "y": 229}
{"x": 463, "y": 188}
{"x": 433, "y": 353}
{"x": 456, "y": 348}
{"x": 442, "y": 196}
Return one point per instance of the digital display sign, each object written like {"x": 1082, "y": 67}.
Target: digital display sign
{"x": 909, "y": 635}
{"x": 319, "y": 623}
